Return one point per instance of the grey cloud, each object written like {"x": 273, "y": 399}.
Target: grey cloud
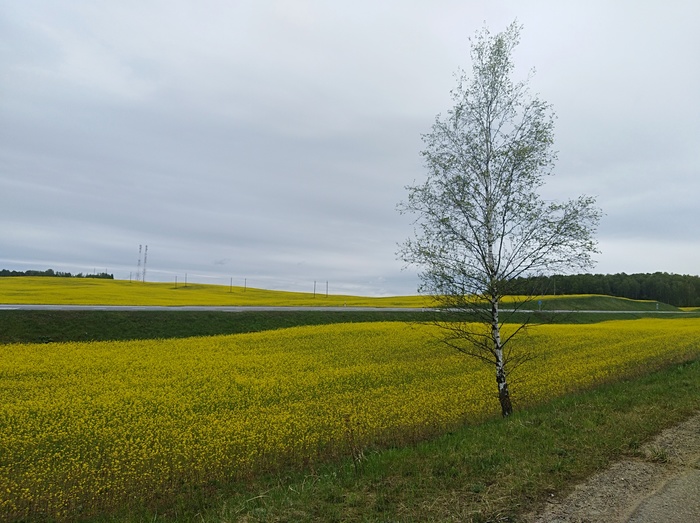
{"x": 273, "y": 141}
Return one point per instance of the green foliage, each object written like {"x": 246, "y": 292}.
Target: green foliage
{"x": 675, "y": 289}
{"x": 480, "y": 220}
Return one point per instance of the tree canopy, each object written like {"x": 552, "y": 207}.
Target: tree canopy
{"x": 681, "y": 290}
{"x": 55, "y": 274}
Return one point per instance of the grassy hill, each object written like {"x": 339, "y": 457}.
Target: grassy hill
{"x": 83, "y": 291}
{"x": 595, "y": 302}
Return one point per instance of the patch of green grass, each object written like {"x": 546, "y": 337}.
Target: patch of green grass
{"x": 495, "y": 471}
{"x": 593, "y": 302}
{"x": 37, "y": 326}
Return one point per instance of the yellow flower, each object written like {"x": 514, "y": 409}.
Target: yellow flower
{"x": 99, "y": 425}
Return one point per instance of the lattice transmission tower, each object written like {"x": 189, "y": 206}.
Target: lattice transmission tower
{"x": 138, "y": 266}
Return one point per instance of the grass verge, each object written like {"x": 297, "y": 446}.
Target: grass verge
{"x": 495, "y": 471}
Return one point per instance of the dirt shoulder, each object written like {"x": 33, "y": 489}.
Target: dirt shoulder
{"x": 661, "y": 485}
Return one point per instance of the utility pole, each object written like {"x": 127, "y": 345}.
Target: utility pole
{"x": 145, "y": 258}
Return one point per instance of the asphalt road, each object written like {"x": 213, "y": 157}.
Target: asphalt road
{"x": 228, "y": 308}
{"x": 198, "y": 308}
{"x": 677, "y": 501}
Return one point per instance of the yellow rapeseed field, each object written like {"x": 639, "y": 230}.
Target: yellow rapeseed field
{"x": 88, "y": 427}
{"x": 92, "y": 291}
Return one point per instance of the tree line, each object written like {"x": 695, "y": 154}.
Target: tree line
{"x": 674, "y": 289}
{"x": 56, "y": 274}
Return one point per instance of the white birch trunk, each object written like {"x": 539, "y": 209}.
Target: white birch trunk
{"x": 501, "y": 381}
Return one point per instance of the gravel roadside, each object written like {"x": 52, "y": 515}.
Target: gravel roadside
{"x": 661, "y": 485}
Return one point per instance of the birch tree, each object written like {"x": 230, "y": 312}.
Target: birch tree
{"x": 480, "y": 220}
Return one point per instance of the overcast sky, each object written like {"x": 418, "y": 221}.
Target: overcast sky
{"x": 270, "y": 141}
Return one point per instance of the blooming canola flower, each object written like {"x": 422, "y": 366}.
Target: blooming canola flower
{"x": 87, "y": 427}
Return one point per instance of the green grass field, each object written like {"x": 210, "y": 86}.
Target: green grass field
{"x": 593, "y": 302}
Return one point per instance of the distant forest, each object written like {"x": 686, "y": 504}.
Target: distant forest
{"x": 59, "y": 274}
{"x": 674, "y": 289}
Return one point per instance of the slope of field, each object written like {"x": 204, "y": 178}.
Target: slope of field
{"x": 87, "y": 428}
{"x": 89, "y": 291}
{"x": 593, "y": 302}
